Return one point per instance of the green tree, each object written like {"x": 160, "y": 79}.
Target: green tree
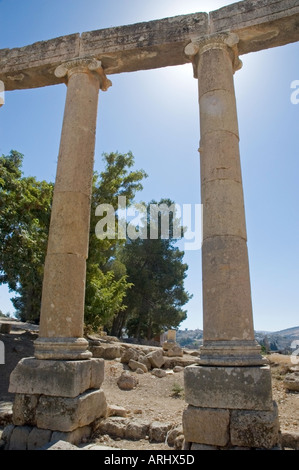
{"x": 155, "y": 268}
{"x": 25, "y": 209}
{"x": 106, "y": 279}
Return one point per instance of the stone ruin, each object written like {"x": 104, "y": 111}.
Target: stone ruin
{"x": 229, "y": 396}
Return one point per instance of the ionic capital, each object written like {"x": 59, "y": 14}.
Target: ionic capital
{"x": 227, "y": 41}
{"x": 83, "y": 65}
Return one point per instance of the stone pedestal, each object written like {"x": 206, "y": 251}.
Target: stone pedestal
{"x": 55, "y": 400}
{"x": 229, "y": 393}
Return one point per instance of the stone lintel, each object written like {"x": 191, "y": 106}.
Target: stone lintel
{"x": 260, "y": 24}
{"x": 243, "y": 388}
{"x": 56, "y": 378}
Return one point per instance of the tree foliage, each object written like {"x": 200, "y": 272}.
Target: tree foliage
{"x": 155, "y": 268}
{"x": 25, "y": 209}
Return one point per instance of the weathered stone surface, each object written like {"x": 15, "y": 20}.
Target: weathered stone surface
{"x": 173, "y": 434}
{"x": 156, "y": 358}
{"x": 229, "y": 387}
{"x": 69, "y": 234}
{"x": 19, "y": 438}
{"x": 24, "y": 409}
{"x": 144, "y": 360}
{"x": 59, "y": 317}
{"x": 137, "y": 429}
{"x": 127, "y": 381}
{"x": 73, "y": 437}
{"x": 206, "y": 426}
{"x": 289, "y": 440}
{"x": 68, "y": 414}
{"x": 158, "y": 431}
{"x": 5, "y": 413}
{"x": 56, "y": 378}
{"x": 61, "y": 445}
{"x": 114, "y": 426}
{"x": 291, "y": 382}
{"x": 160, "y": 373}
{"x": 115, "y": 410}
{"x": 254, "y": 428}
{"x": 128, "y": 354}
{"x": 134, "y": 365}
{"x": 177, "y": 369}
{"x": 159, "y": 43}
{"x": 5, "y": 328}
{"x": 6, "y": 435}
{"x": 259, "y": 24}
{"x": 38, "y": 438}
{"x": 195, "y": 446}
{"x": 106, "y": 351}
{"x": 171, "y": 349}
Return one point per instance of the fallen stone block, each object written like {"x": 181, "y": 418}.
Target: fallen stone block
{"x": 158, "y": 431}
{"x": 134, "y": 365}
{"x": 127, "y": 381}
{"x": 60, "y": 445}
{"x": 160, "y": 373}
{"x": 289, "y": 440}
{"x": 137, "y": 429}
{"x": 113, "y": 426}
{"x": 291, "y": 382}
{"x": 128, "y": 354}
{"x": 156, "y": 358}
{"x": 106, "y": 351}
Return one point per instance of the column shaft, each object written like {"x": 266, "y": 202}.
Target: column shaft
{"x": 228, "y": 333}
{"x": 62, "y": 309}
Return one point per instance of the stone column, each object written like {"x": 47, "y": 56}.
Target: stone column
{"x": 58, "y": 392}
{"x": 231, "y": 374}
{"x": 62, "y": 309}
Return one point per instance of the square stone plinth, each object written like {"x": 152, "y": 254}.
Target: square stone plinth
{"x": 56, "y": 378}
{"x": 245, "y": 388}
{"x": 206, "y": 426}
{"x": 68, "y": 414}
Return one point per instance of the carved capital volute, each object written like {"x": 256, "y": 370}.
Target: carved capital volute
{"x": 83, "y": 65}
{"x": 227, "y": 41}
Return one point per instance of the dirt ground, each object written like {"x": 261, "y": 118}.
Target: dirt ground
{"x": 154, "y": 399}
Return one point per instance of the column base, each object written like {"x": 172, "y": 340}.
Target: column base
{"x": 231, "y": 353}
{"x": 62, "y": 348}
{"x": 55, "y": 400}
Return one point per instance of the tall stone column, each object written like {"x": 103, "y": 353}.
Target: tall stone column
{"x": 232, "y": 374}
{"x": 62, "y": 309}
{"x": 58, "y": 392}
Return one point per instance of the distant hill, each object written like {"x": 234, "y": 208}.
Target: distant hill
{"x": 279, "y": 341}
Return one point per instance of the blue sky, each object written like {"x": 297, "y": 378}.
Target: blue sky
{"x": 155, "y": 115}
